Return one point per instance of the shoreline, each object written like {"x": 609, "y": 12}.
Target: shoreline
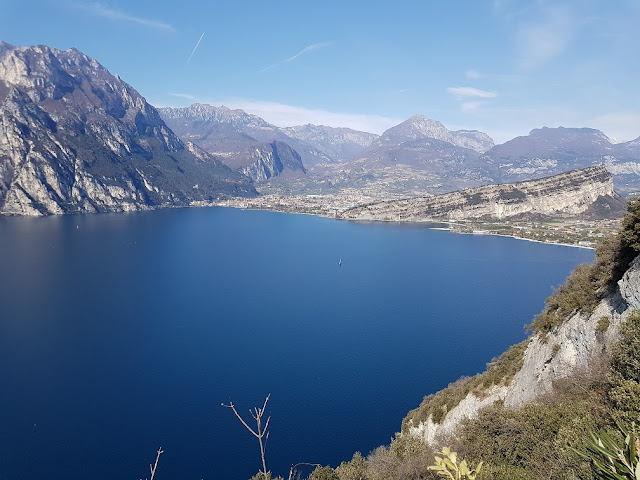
{"x": 425, "y": 224}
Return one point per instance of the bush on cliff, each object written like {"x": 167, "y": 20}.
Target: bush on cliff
{"x": 588, "y": 284}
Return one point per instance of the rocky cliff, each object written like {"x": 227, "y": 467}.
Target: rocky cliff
{"x": 74, "y": 138}
{"x": 228, "y": 133}
{"x": 567, "y": 194}
{"x": 571, "y": 349}
{"x": 266, "y": 160}
{"x": 420, "y": 127}
{"x": 340, "y": 144}
{"x": 548, "y": 151}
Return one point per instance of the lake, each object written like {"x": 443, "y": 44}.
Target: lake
{"x": 120, "y": 333}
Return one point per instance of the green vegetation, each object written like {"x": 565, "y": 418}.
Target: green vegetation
{"x": 612, "y": 461}
{"x": 534, "y": 441}
{"x": 499, "y": 372}
{"x": 588, "y": 284}
{"x": 603, "y": 324}
{"x": 447, "y": 466}
{"x": 624, "y": 376}
{"x": 545, "y": 439}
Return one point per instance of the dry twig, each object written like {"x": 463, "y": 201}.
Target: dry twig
{"x": 262, "y": 433}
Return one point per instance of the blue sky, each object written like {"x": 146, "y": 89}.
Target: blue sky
{"x": 500, "y": 66}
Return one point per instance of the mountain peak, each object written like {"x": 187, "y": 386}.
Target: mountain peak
{"x": 419, "y": 127}
{"x": 82, "y": 140}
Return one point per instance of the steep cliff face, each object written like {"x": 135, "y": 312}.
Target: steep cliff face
{"x": 571, "y": 193}
{"x": 74, "y": 138}
{"x": 568, "y": 350}
{"x": 266, "y": 160}
{"x": 229, "y": 133}
{"x": 549, "y": 151}
{"x": 338, "y": 143}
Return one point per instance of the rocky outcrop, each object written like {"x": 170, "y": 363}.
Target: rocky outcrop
{"x": 266, "y": 160}
{"x": 549, "y": 151}
{"x": 420, "y": 127}
{"x": 340, "y": 144}
{"x": 74, "y": 138}
{"x": 567, "y": 194}
{"x": 229, "y": 133}
{"x": 571, "y": 349}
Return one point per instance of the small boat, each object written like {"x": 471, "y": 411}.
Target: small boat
{"x": 340, "y": 262}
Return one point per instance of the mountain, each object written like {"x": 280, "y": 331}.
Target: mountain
{"x": 75, "y": 138}
{"x": 265, "y": 160}
{"x": 576, "y": 342}
{"x": 426, "y": 149}
{"x": 548, "y": 151}
{"x": 225, "y": 132}
{"x": 339, "y": 144}
{"x": 419, "y": 127}
{"x": 568, "y": 194}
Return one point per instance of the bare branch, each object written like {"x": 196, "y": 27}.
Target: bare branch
{"x": 257, "y": 414}
{"x": 293, "y": 467}
{"x": 233, "y": 407}
{"x": 153, "y": 468}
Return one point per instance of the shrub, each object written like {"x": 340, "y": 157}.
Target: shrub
{"x": 612, "y": 460}
{"x": 447, "y": 466}
{"x": 587, "y": 284}
{"x": 534, "y": 441}
{"x": 324, "y": 473}
{"x": 624, "y": 376}
{"x": 355, "y": 469}
{"x": 603, "y": 324}
{"x": 499, "y": 371}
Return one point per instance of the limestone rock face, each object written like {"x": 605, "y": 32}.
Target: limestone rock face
{"x": 567, "y": 194}
{"x": 569, "y": 350}
{"x": 340, "y": 144}
{"x": 231, "y": 134}
{"x": 549, "y": 151}
{"x": 74, "y": 138}
{"x": 268, "y": 160}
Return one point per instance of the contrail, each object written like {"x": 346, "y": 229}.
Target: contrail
{"x": 195, "y": 48}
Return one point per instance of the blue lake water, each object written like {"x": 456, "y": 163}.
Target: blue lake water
{"x": 121, "y": 333}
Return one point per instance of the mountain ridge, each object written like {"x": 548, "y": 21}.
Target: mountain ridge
{"x": 566, "y": 194}
{"x": 77, "y": 139}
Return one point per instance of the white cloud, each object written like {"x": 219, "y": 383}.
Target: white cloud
{"x": 185, "y": 96}
{"x": 284, "y": 115}
{"x": 462, "y": 92}
{"x": 470, "y": 107}
{"x": 549, "y": 36}
{"x": 304, "y": 51}
{"x": 501, "y": 77}
{"x": 473, "y": 74}
{"x": 100, "y": 10}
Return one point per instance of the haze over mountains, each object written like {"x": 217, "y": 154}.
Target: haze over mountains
{"x": 75, "y": 138}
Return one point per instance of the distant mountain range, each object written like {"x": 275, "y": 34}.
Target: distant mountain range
{"x": 425, "y": 156}
{"x": 548, "y": 151}
{"x": 227, "y": 133}
{"x": 74, "y": 138}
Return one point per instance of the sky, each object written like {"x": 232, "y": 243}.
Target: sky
{"x": 503, "y": 67}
